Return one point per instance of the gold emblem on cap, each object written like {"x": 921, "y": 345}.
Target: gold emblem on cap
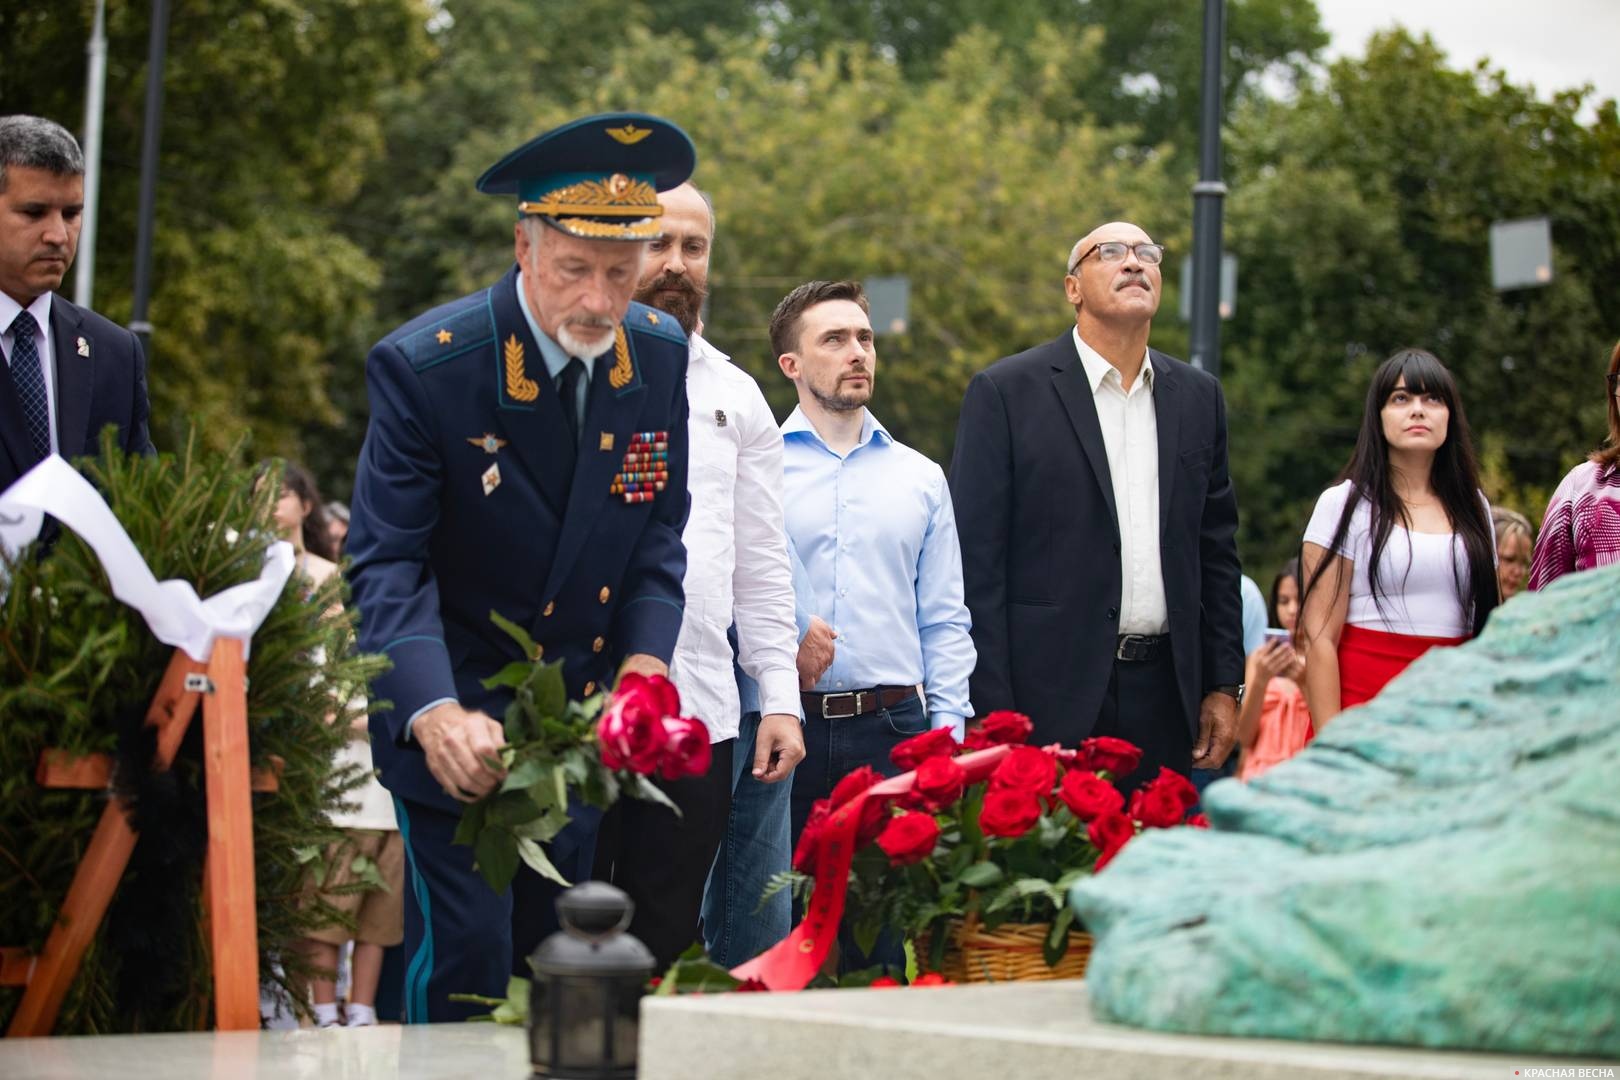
{"x": 629, "y": 135}
{"x": 617, "y": 196}
{"x": 444, "y": 337}
{"x": 621, "y": 374}
{"x": 519, "y": 387}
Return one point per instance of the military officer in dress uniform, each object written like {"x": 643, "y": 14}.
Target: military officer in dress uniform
{"x": 502, "y": 470}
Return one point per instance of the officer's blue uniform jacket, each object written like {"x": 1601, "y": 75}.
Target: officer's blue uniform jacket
{"x": 593, "y": 577}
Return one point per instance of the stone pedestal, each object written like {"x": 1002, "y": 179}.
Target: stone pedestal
{"x": 1028, "y": 1030}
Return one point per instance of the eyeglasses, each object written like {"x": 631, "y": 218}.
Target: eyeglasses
{"x": 1111, "y": 251}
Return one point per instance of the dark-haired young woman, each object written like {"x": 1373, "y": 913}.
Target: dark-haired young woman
{"x": 1399, "y": 556}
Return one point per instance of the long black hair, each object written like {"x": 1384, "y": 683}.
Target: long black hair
{"x": 1454, "y": 478}
{"x": 301, "y": 482}
{"x": 1290, "y": 570}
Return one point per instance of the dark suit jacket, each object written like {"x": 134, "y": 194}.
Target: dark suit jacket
{"x": 102, "y": 383}
{"x": 592, "y": 577}
{"x": 1040, "y": 538}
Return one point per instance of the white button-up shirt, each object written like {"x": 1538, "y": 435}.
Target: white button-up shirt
{"x": 40, "y": 309}
{"x": 1130, "y": 431}
{"x": 736, "y": 552}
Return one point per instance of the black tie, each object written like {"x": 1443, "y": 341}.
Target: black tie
{"x": 568, "y": 391}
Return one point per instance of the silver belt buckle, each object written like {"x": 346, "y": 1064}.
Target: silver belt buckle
{"x": 827, "y": 706}
{"x": 1124, "y": 643}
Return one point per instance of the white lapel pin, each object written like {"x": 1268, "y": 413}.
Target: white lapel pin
{"x": 84, "y": 347}
{"x": 491, "y": 479}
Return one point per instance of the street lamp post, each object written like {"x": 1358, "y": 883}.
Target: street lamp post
{"x": 1208, "y": 195}
{"x": 156, "y": 48}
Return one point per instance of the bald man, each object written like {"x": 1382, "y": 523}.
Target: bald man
{"x": 1097, "y": 523}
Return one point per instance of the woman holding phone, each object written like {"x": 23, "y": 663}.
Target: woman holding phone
{"x": 1399, "y": 556}
{"x": 1275, "y": 723}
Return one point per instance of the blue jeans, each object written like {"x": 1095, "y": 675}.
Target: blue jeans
{"x": 832, "y": 750}
{"x": 756, "y": 847}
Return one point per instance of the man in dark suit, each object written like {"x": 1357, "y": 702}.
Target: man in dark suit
{"x": 1097, "y": 523}
{"x": 490, "y": 480}
{"x": 68, "y": 372}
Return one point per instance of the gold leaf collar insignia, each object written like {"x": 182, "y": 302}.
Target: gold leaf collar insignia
{"x": 519, "y": 387}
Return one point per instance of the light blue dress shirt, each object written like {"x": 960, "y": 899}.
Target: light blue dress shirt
{"x": 875, "y": 531}
{"x": 1254, "y": 614}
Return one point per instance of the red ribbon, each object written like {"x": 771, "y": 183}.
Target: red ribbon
{"x": 791, "y": 963}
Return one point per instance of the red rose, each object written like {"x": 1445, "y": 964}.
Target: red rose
{"x": 919, "y": 748}
{"x": 1119, "y": 757}
{"x": 1088, "y": 796}
{"x": 852, "y": 785}
{"x": 1198, "y": 821}
{"x": 1006, "y": 727}
{"x": 631, "y": 733}
{"x": 1008, "y": 812}
{"x": 909, "y": 838}
{"x": 1025, "y": 769}
{"x": 975, "y": 739}
{"x": 1178, "y": 786}
{"x": 654, "y": 693}
{"x": 931, "y": 978}
{"x": 751, "y": 986}
{"x": 1157, "y": 806}
{"x": 1069, "y": 759}
{"x": 1109, "y": 834}
{"x": 938, "y": 784}
{"x": 873, "y": 813}
{"x": 686, "y": 748}
{"x": 804, "y": 855}
{"x": 883, "y": 982}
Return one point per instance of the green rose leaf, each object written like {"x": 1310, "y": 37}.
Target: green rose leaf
{"x": 981, "y": 875}
{"x": 496, "y": 853}
{"x": 537, "y": 860}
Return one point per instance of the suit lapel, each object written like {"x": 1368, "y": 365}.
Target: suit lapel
{"x": 1074, "y": 390}
{"x": 529, "y": 413}
{"x": 75, "y": 378}
{"x": 1166, "y": 417}
{"x": 609, "y": 411}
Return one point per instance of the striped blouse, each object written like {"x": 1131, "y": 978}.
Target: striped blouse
{"x": 1582, "y": 526}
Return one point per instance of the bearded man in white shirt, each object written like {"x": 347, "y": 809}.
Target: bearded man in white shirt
{"x": 737, "y": 571}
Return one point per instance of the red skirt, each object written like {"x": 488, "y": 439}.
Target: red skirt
{"x": 1370, "y": 658}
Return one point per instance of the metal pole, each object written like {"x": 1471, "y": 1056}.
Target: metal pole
{"x": 149, "y": 166}
{"x": 1208, "y": 194}
{"x": 95, "y": 96}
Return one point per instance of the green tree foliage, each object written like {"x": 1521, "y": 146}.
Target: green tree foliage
{"x": 262, "y": 281}
{"x": 1361, "y": 215}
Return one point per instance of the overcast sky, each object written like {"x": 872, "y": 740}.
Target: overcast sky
{"x": 1551, "y": 44}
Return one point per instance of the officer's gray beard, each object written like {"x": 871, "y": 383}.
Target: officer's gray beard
{"x": 585, "y": 350}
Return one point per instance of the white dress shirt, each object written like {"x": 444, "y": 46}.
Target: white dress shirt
{"x": 1130, "y": 432}
{"x": 736, "y": 550}
{"x": 40, "y": 309}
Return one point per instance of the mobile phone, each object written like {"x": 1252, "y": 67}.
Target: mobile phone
{"x": 1273, "y": 634}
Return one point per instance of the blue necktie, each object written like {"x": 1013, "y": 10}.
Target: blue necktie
{"x": 29, "y": 380}
{"x": 568, "y": 390}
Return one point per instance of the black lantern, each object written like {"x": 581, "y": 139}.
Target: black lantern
{"x": 589, "y": 978}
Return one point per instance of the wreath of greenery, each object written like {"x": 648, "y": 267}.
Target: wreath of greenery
{"x": 78, "y": 669}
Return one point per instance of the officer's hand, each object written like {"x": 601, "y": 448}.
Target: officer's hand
{"x": 815, "y": 653}
{"x": 463, "y": 750}
{"x": 1217, "y": 731}
{"x": 642, "y": 664}
{"x": 778, "y": 747}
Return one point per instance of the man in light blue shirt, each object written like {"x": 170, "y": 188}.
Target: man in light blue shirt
{"x": 872, "y": 523}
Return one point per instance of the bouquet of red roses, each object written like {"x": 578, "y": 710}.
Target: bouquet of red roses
{"x": 1004, "y": 849}
{"x": 598, "y": 749}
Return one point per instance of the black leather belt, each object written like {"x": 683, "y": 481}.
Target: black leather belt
{"x": 855, "y": 702}
{"x": 1138, "y": 647}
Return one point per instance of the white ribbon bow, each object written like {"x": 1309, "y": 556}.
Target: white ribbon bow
{"x": 176, "y": 615}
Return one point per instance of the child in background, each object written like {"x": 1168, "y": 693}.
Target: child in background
{"x": 1275, "y": 723}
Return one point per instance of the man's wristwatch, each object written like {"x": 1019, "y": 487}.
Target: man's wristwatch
{"x": 1232, "y": 690}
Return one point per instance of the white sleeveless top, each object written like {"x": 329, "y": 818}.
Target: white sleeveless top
{"x": 1417, "y": 573}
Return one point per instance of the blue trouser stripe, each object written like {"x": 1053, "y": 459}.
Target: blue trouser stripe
{"x": 421, "y": 967}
